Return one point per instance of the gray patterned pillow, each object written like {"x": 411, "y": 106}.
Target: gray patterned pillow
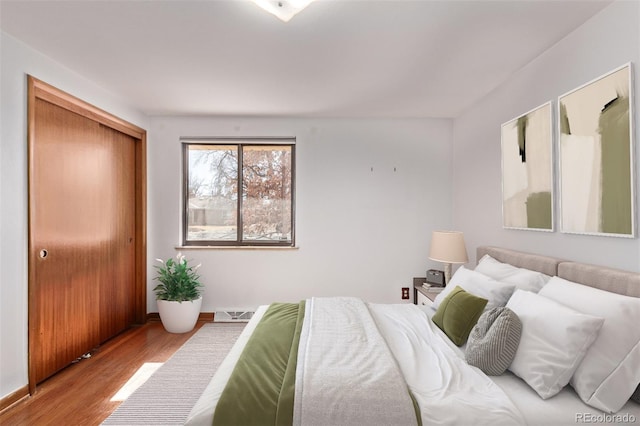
{"x": 636, "y": 395}
{"x": 494, "y": 340}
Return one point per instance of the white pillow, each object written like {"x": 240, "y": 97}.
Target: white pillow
{"x": 610, "y": 371}
{"x": 553, "y": 342}
{"x": 495, "y": 292}
{"x": 524, "y": 279}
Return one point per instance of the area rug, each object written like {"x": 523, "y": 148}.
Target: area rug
{"x": 167, "y": 397}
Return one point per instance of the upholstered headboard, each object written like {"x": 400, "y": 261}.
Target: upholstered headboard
{"x": 613, "y": 280}
{"x": 609, "y": 279}
{"x": 535, "y": 262}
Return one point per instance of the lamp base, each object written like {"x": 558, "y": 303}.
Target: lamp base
{"x": 447, "y": 273}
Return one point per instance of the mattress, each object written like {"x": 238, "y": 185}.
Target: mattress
{"x": 564, "y": 408}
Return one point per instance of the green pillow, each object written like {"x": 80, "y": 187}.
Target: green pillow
{"x": 458, "y": 313}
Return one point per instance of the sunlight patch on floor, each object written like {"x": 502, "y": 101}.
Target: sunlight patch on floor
{"x": 135, "y": 381}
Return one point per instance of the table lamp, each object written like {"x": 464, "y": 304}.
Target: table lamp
{"x": 448, "y": 247}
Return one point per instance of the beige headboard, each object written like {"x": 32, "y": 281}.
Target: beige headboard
{"x": 535, "y": 262}
{"x": 613, "y": 280}
{"x": 609, "y": 279}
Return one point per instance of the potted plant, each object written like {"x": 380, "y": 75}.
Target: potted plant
{"x": 179, "y": 294}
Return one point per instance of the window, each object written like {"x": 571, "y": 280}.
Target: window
{"x": 239, "y": 193}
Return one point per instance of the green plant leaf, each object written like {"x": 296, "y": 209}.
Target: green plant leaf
{"x": 178, "y": 281}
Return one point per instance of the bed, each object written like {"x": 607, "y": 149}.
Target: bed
{"x": 360, "y": 363}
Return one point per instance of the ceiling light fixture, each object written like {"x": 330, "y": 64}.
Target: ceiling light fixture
{"x": 283, "y": 9}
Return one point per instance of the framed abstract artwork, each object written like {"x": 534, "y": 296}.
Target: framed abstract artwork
{"x": 527, "y": 171}
{"x": 596, "y": 159}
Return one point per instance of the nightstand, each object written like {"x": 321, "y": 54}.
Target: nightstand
{"x": 420, "y": 294}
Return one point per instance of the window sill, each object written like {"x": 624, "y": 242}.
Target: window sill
{"x": 237, "y": 248}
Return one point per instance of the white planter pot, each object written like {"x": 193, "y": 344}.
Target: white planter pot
{"x": 179, "y": 317}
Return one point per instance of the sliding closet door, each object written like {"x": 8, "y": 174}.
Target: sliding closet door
{"x": 117, "y": 275}
{"x": 82, "y": 231}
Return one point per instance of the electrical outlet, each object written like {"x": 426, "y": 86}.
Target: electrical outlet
{"x": 405, "y": 293}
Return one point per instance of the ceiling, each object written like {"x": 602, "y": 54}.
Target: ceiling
{"x": 336, "y": 58}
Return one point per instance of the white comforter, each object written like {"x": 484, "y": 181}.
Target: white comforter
{"x": 447, "y": 389}
{"x": 345, "y": 373}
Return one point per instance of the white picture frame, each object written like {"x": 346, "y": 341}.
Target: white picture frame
{"x": 528, "y": 171}
{"x": 596, "y": 156}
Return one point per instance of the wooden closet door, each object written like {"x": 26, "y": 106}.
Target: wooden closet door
{"x": 81, "y": 231}
{"x": 117, "y": 290}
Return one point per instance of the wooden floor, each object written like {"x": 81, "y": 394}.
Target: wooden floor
{"x": 80, "y": 394}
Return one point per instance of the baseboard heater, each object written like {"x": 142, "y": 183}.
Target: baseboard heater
{"x": 232, "y": 316}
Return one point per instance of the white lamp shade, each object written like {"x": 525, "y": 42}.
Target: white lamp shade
{"x": 448, "y": 247}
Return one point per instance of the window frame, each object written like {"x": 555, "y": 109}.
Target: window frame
{"x": 239, "y": 143}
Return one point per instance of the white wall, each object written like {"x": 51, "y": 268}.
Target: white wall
{"x": 359, "y": 232}
{"x": 608, "y": 40}
{"x": 18, "y": 60}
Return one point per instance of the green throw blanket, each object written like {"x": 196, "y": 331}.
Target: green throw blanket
{"x": 261, "y": 389}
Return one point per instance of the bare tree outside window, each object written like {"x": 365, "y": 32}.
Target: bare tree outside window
{"x": 239, "y": 194}
{"x": 266, "y": 193}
